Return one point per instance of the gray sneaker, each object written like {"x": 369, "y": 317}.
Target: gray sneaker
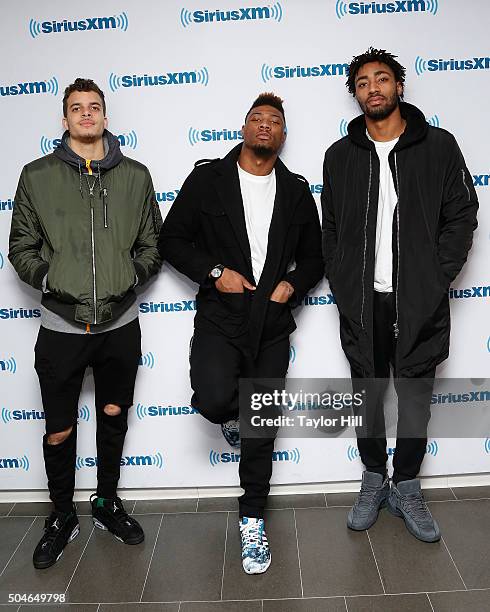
{"x": 231, "y": 432}
{"x": 407, "y": 501}
{"x": 372, "y": 497}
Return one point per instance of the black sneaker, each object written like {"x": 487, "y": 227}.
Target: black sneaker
{"x": 110, "y": 515}
{"x": 59, "y": 529}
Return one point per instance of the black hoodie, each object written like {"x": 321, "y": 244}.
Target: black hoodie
{"x": 432, "y": 233}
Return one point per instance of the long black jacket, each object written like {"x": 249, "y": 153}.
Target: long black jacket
{"x": 206, "y": 226}
{"x": 433, "y": 224}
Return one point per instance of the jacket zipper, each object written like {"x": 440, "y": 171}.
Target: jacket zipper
{"x": 464, "y": 183}
{"x": 365, "y": 240}
{"x": 395, "y": 325}
{"x": 92, "y": 236}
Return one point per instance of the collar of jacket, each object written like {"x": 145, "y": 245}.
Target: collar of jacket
{"x": 417, "y": 128}
{"x": 112, "y": 158}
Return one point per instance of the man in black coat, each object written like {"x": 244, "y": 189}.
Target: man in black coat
{"x": 246, "y": 229}
{"x": 399, "y": 211}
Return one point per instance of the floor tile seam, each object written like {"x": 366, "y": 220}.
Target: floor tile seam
{"x": 17, "y": 547}
{"x": 299, "y": 557}
{"x": 80, "y": 558}
{"x": 375, "y": 561}
{"x": 151, "y": 558}
{"x": 430, "y": 603}
{"x": 452, "y": 491}
{"x": 454, "y": 563}
{"x": 13, "y": 506}
{"x": 224, "y": 557}
{"x": 345, "y": 604}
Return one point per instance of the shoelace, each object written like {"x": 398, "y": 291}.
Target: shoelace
{"x": 415, "y": 505}
{"x": 232, "y": 426}
{"x": 254, "y": 540}
{"x": 366, "y": 496}
{"x": 120, "y": 513}
{"x": 51, "y": 530}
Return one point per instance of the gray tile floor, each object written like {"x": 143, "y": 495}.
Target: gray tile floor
{"x": 190, "y": 559}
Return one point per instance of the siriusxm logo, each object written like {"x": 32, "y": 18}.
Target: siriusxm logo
{"x": 441, "y": 65}
{"x": 372, "y": 8}
{"x": 460, "y": 398}
{"x": 161, "y": 411}
{"x": 215, "y": 457}
{"x": 2, "y": 261}
{"x": 166, "y": 196}
{"x": 19, "y": 313}
{"x": 196, "y": 136}
{"x": 153, "y": 307}
{"x": 15, "y": 463}
{"x": 302, "y": 72}
{"x": 7, "y": 415}
{"x": 432, "y": 449}
{"x": 487, "y": 446}
{"x": 128, "y": 139}
{"x": 6, "y": 204}
{"x": 8, "y": 365}
{"x": 167, "y": 78}
{"x": 343, "y": 125}
{"x": 315, "y": 189}
{"x": 147, "y": 360}
{"x": 292, "y": 354}
{"x": 115, "y": 22}
{"x": 34, "y": 87}
{"x": 155, "y": 460}
{"x": 481, "y": 180}
{"x": 319, "y": 300}
{"x": 469, "y": 292}
{"x": 253, "y": 13}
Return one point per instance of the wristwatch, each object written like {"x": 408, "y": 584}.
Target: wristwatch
{"x": 216, "y": 272}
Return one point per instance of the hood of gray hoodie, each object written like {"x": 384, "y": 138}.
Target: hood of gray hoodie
{"x": 112, "y": 151}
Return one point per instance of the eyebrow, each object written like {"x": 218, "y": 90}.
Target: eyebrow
{"x": 377, "y": 73}
{"x": 261, "y": 113}
{"x": 79, "y": 104}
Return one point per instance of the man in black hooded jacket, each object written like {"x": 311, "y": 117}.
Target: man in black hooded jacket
{"x": 84, "y": 231}
{"x": 399, "y": 211}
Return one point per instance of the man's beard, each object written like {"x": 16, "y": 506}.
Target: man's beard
{"x": 380, "y": 112}
{"x": 263, "y": 151}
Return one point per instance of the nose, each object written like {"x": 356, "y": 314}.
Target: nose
{"x": 265, "y": 123}
{"x": 86, "y": 112}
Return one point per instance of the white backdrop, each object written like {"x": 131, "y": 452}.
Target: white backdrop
{"x": 208, "y": 70}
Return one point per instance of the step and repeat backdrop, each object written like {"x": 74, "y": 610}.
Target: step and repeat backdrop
{"x": 178, "y": 79}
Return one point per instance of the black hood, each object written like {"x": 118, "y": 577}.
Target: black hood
{"x": 112, "y": 150}
{"x": 416, "y": 129}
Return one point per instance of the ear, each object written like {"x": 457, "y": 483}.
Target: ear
{"x": 106, "y": 123}
{"x": 64, "y": 123}
{"x": 399, "y": 89}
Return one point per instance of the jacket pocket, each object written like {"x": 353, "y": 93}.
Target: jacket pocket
{"x": 216, "y": 220}
{"x": 278, "y": 320}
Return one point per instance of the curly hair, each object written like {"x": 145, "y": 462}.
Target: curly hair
{"x": 82, "y": 85}
{"x": 374, "y": 55}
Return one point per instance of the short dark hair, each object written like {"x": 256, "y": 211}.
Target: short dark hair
{"x": 374, "y": 55}
{"x": 270, "y": 99}
{"x": 82, "y": 85}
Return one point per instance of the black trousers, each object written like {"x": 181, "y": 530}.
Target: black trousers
{"x": 414, "y": 396}
{"x": 217, "y": 363}
{"x": 60, "y": 361}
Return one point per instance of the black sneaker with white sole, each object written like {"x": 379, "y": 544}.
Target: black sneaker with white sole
{"x": 110, "y": 515}
{"x": 59, "y": 529}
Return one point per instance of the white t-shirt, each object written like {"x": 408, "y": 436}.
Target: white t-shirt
{"x": 258, "y": 194}
{"x": 383, "y": 262}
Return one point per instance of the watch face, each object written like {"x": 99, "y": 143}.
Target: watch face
{"x": 216, "y": 272}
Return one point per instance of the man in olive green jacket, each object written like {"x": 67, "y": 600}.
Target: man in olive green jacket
{"x": 84, "y": 230}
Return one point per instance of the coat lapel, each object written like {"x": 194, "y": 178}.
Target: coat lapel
{"x": 227, "y": 186}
